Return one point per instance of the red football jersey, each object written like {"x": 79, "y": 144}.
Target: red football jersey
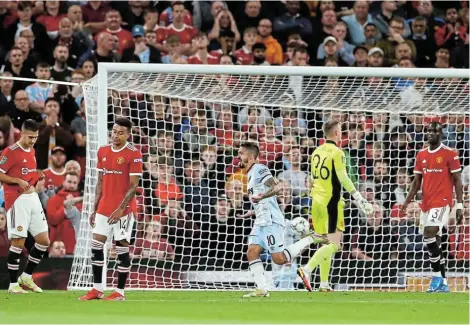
{"x": 53, "y": 179}
{"x": 19, "y": 163}
{"x": 244, "y": 56}
{"x": 124, "y": 36}
{"x": 166, "y": 17}
{"x": 117, "y": 167}
{"x": 186, "y": 34}
{"x": 195, "y": 59}
{"x": 437, "y": 167}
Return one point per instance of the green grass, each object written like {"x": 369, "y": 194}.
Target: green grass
{"x": 227, "y": 307}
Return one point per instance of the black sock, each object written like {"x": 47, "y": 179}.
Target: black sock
{"x": 434, "y": 253}
{"x": 13, "y": 262}
{"x": 35, "y": 257}
{"x": 97, "y": 261}
{"x": 443, "y": 266}
{"x": 124, "y": 266}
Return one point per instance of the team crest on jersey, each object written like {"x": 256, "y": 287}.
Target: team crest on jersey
{"x": 439, "y": 160}
{"x": 3, "y": 160}
{"x": 19, "y": 228}
{"x": 120, "y": 160}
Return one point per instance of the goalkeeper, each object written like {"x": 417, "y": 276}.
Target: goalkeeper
{"x": 329, "y": 175}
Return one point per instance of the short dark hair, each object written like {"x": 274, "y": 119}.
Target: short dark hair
{"x": 177, "y": 3}
{"x": 122, "y": 121}
{"x": 299, "y": 49}
{"x": 251, "y": 147}
{"x": 257, "y": 46}
{"x": 22, "y": 5}
{"x": 420, "y": 18}
{"x": 43, "y": 65}
{"x": 226, "y": 33}
{"x": 51, "y": 99}
{"x": 30, "y": 125}
{"x": 436, "y": 125}
{"x": 329, "y": 126}
{"x": 72, "y": 174}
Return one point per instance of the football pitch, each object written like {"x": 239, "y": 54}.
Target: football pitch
{"x": 146, "y": 307}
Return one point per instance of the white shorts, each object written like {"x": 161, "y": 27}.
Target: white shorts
{"x": 121, "y": 230}
{"x": 26, "y": 215}
{"x": 271, "y": 238}
{"x": 436, "y": 217}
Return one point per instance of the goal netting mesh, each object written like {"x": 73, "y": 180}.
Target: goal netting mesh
{"x": 189, "y": 127}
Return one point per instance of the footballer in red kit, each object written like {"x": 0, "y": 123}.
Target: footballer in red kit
{"x": 437, "y": 171}
{"x": 119, "y": 169}
{"x": 25, "y": 214}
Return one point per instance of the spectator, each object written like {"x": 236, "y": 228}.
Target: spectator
{"x": 375, "y": 57}
{"x": 426, "y": 10}
{"x": 401, "y": 184}
{"x": 140, "y": 51}
{"x": 383, "y": 186}
{"x": 166, "y": 187}
{"x": 360, "y": 56}
{"x": 31, "y": 56}
{"x": 73, "y": 166}
{"x": 358, "y": 21}
{"x": 174, "y": 51}
{"x": 166, "y": 17}
{"x": 251, "y": 15}
{"x": 57, "y": 250}
{"x": 88, "y": 68}
{"x": 153, "y": 245}
{"x": 133, "y": 13}
{"x": 199, "y": 135}
{"x": 453, "y": 33}
{"x": 422, "y": 41}
{"x": 113, "y": 27}
{"x": 238, "y": 203}
{"x": 6, "y": 95}
{"x": 289, "y": 123}
{"x": 4, "y": 241}
{"x": 103, "y": 53}
{"x": 77, "y": 43}
{"x": 395, "y": 37}
{"x": 213, "y": 169}
{"x": 152, "y": 117}
{"x": 328, "y": 22}
{"x": 52, "y": 133}
{"x": 466, "y": 176}
{"x": 259, "y": 54}
{"x": 38, "y": 92}
{"x": 60, "y": 71}
{"x": 51, "y": 18}
{"x": 384, "y": 18}
{"x": 55, "y": 174}
{"x": 224, "y": 22}
{"x": 410, "y": 236}
{"x": 64, "y": 212}
{"x": 403, "y": 50}
{"x": 371, "y": 34}
{"x": 94, "y": 15}
{"x": 21, "y": 111}
{"x": 75, "y": 14}
{"x": 17, "y": 68}
{"x": 273, "y": 48}
{"x": 227, "y": 44}
{"x": 292, "y": 171}
{"x": 442, "y": 58}
{"x": 292, "y": 22}
{"x": 197, "y": 193}
{"x": 330, "y": 47}
{"x": 202, "y": 56}
{"x": 345, "y": 50}
{"x": 178, "y": 27}
{"x": 175, "y": 117}
{"x": 12, "y": 32}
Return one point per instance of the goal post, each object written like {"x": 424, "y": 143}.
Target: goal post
{"x": 189, "y": 120}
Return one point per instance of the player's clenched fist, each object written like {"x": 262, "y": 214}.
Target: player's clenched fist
{"x": 115, "y": 216}
{"x": 362, "y": 203}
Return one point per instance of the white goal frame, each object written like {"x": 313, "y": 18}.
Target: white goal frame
{"x": 105, "y": 70}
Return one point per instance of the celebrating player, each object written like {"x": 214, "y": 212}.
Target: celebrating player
{"x": 328, "y": 175}
{"x": 19, "y": 175}
{"x": 268, "y": 230}
{"x": 438, "y": 169}
{"x": 119, "y": 169}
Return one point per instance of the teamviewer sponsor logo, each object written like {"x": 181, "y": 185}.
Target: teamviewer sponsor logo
{"x": 431, "y": 170}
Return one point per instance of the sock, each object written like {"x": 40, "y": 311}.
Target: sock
{"x": 97, "y": 262}
{"x": 124, "y": 267}
{"x": 13, "y": 263}
{"x": 434, "y": 252}
{"x": 443, "y": 266}
{"x": 323, "y": 254}
{"x": 120, "y": 291}
{"x": 35, "y": 256}
{"x": 296, "y": 248}
{"x": 325, "y": 267}
{"x": 257, "y": 272}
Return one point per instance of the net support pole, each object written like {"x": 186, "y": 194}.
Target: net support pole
{"x": 102, "y": 118}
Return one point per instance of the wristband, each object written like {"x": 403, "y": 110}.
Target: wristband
{"x": 459, "y": 206}
{"x": 357, "y": 196}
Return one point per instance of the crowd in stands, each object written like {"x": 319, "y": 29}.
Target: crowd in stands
{"x": 191, "y": 188}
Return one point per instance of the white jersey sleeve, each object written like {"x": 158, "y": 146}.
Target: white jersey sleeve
{"x": 267, "y": 210}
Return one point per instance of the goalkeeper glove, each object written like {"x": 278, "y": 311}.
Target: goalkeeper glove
{"x": 362, "y": 203}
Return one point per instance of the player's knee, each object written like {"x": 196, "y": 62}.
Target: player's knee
{"x": 279, "y": 258}
{"x": 97, "y": 253}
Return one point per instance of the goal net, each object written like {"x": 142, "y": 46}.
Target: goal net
{"x": 189, "y": 122}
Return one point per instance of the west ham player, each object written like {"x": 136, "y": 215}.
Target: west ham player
{"x": 19, "y": 175}
{"x": 438, "y": 169}
{"x": 268, "y": 230}
{"x": 119, "y": 169}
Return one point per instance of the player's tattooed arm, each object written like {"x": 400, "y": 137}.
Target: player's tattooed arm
{"x": 99, "y": 190}
{"x": 130, "y": 192}
{"x": 274, "y": 188}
